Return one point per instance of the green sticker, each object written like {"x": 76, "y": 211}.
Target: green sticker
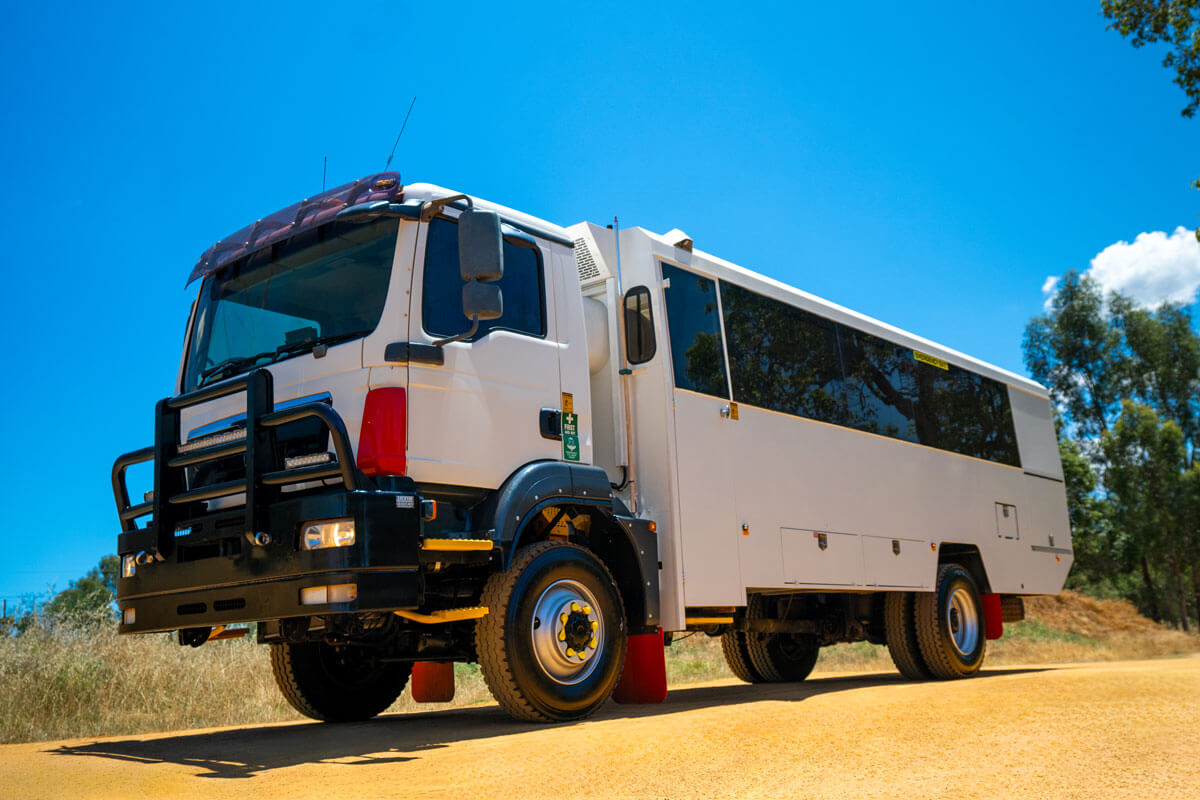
{"x": 570, "y": 437}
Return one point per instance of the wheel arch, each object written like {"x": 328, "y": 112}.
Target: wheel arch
{"x": 590, "y": 516}
{"x": 969, "y": 558}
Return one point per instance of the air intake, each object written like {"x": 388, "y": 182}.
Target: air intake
{"x": 584, "y": 261}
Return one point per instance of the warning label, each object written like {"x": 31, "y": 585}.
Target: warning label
{"x": 932, "y": 361}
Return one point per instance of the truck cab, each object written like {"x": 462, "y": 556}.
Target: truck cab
{"x": 383, "y": 401}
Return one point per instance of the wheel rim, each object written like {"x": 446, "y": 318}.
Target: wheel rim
{"x": 962, "y": 618}
{"x": 567, "y": 631}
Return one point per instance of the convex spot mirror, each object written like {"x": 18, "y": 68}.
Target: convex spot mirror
{"x": 482, "y": 301}
{"x": 640, "y": 345}
{"x": 480, "y": 247}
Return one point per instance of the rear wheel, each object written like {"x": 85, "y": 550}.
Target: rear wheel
{"x": 949, "y": 623}
{"x": 552, "y": 646}
{"x": 901, "y": 631}
{"x": 336, "y": 683}
{"x": 779, "y": 657}
{"x": 737, "y": 656}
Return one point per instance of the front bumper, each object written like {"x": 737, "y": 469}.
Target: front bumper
{"x": 216, "y": 578}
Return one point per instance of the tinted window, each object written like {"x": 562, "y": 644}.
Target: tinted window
{"x": 782, "y": 357}
{"x": 880, "y": 385}
{"x": 441, "y": 296}
{"x": 694, "y": 325}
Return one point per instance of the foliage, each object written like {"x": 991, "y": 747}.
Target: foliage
{"x": 1127, "y": 383}
{"x": 1175, "y": 23}
{"x": 1172, "y": 22}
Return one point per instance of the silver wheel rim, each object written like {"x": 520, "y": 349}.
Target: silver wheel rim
{"x": 962, "y": 618}
{"x": 565, "y": 612}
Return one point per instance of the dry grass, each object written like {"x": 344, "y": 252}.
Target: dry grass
{"x": 74, "y": 682}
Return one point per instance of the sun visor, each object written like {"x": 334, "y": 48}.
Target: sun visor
{"x": 305, "y": 215}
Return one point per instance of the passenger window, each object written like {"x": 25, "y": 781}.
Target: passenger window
{"x": 880, "y": 385}
{"x": 782, "y": 357}
{"x": 522, "y": 287}
{"x": 694, "y": 326}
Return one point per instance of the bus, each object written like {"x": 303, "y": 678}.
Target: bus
{"x": 412, "y": 427}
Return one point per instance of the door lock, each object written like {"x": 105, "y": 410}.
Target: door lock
{"x": 729, "y": 411}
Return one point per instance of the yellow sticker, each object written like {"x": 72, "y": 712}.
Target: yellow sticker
{"x": 930, "y": 360}
{"x": 568, "y": 403}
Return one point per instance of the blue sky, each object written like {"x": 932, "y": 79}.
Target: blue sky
{"x": 927, "y": 164}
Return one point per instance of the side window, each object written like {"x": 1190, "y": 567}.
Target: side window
{"x": 782, "y": 357}
{"x": 880, "y": 385}
{"x": 694, "y": 325}
{"x": 522, "y": 287}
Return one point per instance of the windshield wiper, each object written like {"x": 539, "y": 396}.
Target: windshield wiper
{"x": 291, "y": 348}
{"x": 236, "y": 364}
{"x": 231, "y": 366}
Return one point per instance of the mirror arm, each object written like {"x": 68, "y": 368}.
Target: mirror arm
{"x": 431, "y": 208}
{"x": 461, "y": 336}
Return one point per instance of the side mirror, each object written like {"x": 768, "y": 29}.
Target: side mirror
{"x": 482, "y": 301}
{"x": 480, "y": 246}
{"x": 640, "y": 345}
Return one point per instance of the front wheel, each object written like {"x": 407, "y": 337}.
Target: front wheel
{"x": 949, "y": 625}
{"x": 552, "y": 645}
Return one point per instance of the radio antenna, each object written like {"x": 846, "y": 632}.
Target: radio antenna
{"x": 324, "y": 171}
{"x": 401, "y": 133}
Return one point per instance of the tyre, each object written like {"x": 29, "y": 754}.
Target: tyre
{"x": 552, "y": 646}
{"x": 336, "y": 683}
{"x": 949, "y": 624}
{"x": 900, "y": 628}
{"x": 779, "y": 657}
{"x": 737, "y": 656}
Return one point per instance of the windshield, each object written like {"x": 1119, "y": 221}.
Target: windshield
{"x": 323, "y": 286}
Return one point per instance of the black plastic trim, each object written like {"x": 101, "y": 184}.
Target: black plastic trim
{"x": 414, "y": 352}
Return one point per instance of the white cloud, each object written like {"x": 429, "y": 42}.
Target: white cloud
{"x": 1153, "y": 269}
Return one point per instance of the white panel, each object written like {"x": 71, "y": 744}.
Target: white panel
{"x": 1035, "y": 434}
{"x": 1006, "y": 521}
{"x": 706, "y": 506}
{"x": 820, "y": 557}
{"x": 898, "y": 562}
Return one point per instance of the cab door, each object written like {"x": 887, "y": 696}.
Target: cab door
{"x": 703, "y": 415}
{"x": 480, "y": 415}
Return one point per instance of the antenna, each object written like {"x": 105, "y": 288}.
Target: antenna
{"x": 324, "y": 170}
{"x": 401, "y": 133}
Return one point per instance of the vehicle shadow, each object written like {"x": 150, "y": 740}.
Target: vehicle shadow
{"x": 396, "y": 738}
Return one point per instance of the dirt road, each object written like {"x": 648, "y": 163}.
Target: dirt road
{"x": 1125, "y": 729}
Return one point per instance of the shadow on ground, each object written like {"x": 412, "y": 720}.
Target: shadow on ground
{"x": 396, "y": 738}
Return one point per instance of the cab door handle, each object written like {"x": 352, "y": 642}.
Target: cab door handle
{"x": 550, "y": 423}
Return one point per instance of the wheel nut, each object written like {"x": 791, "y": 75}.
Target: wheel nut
{"x": 574, "y": 606}
{"x": 570, "y": 653}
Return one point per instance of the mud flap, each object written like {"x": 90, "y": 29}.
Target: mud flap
{"x": 644, "y": 679}
{"x": 433, "y": 681}
{"x": 993, "y": 618}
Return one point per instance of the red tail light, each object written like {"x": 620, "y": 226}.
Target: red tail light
{"x": 382, "y": 444}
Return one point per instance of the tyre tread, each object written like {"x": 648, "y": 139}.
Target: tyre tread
{"x": 901, "y": 635}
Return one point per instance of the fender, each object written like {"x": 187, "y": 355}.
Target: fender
{"x": 634, "y": 552}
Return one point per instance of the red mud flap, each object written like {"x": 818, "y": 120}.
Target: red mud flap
{"x": 644, "y": 679}
{"x": 993, "y": 617}
{"x": 433, "y": 681}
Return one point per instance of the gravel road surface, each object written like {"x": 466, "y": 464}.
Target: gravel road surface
{"x": 1123, "y": 729}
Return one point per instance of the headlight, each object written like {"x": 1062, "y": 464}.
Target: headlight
{"x": 332, "y": 533}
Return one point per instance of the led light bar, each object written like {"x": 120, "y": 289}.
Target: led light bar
{"x": 236, "y": 435}
{"x": 295, "y": 462}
